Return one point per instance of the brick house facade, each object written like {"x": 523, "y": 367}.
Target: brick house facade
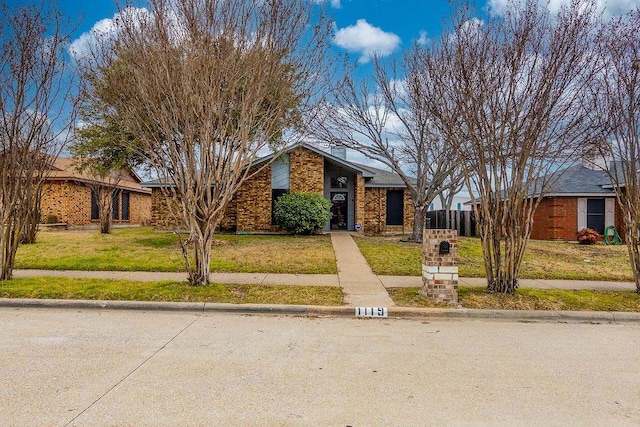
{"x": 579, "y": 199}
{"x": 67, "y": 196}
{"x": 363, "y": 198}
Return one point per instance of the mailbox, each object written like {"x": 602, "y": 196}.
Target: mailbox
{"x": 444, "y": 247}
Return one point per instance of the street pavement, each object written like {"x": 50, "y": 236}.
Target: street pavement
{"x": 158, "y": 368}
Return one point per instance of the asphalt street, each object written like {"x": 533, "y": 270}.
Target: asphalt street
{"x": 84, "y": 367}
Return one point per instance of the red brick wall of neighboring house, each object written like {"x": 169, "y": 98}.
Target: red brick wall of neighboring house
{"x": 375, "y": 213}
{"x": 306, "y": 171}
{"x": 556, "y": 219}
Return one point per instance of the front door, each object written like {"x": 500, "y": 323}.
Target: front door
{"x": 339, "y": 210}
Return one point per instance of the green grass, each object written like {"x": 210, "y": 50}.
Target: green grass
{"x": 528, "y": 299}
{"x": 141, "y": 249}
{"x": 123, "y": 290}
{"x": 543, "y": 259}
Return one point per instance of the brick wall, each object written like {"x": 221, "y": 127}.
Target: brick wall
{"x": 69, "y": 201}
{"x": 360, "y": 201}
{"x": 375, "y": 208}
{"x": 375, "y": 213}
{"x": 306, "y": 172}
{"x": 139, "y": 208}
{"x": 440, "y": 271}
{"x": 253, "y": 208}
{"x": 556, "y": 219}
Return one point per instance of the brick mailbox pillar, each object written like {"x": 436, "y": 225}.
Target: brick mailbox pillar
{"x": 440, "y": 265}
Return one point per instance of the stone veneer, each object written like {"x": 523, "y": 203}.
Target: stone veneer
{"x": 440, "y": 271}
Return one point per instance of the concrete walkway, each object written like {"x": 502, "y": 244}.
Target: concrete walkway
{"x": 361, "y": 288}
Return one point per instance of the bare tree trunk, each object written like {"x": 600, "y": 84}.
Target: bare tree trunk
{"x": 30, "y": 229}
{"x": 105, "y": 209}
{"x": 419, "y": 221}
{"x": 9, "y": 246}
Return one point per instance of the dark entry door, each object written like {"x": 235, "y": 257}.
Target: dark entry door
{"x": 339, "y": 210}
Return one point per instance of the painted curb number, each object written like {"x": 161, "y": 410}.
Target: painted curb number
{"x": 371, "y": 312}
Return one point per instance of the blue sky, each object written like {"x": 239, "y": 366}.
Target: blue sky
{"x": 361, "y": 26}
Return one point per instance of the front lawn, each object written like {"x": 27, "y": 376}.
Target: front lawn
{"x": 141, "y": 249}
{"x": 527, "y": 299}
{"x": 543, "y": 259}
{"x": 125, "y": 290}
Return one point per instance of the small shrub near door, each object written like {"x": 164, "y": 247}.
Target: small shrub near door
{"x": 588, "y": 236}
{"x": 302, "y": 213}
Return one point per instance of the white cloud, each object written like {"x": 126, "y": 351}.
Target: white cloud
{"x": 610, "y": 7}
{"x": 423, "y": 39}
{"x": 366, "y": 40}
{"x": 107, "y": 27}
{"x": 334, "y": 3}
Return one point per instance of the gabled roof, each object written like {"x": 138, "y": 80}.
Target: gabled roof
{"x": 374, "y": 177}
{"x": 63, "y": 169}
{"x": 366, "y": 173}
{"x": 383, "y": 179}
{"x": 579, "y": 180}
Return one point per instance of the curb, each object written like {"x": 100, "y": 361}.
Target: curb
{"x": 332, "y": 311}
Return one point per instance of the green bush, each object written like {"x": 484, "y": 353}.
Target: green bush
{"x": 302, "y": 213}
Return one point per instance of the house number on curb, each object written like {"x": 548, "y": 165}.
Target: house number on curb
{"x": 371, "y": 312}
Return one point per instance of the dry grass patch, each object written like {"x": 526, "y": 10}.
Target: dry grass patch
{"x": 527, "y": 299}
{"x": 125, "y": 290}
{"x": 542, "y": 260}
{"x": 141, "y": 249}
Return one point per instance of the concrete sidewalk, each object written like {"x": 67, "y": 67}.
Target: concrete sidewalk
{"x": 316, "y": 279}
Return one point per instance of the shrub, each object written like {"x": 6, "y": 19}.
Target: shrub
{"x": 51, "y": 219}
{"x": 302, "y": 213}
{"x": 588, "y": 236}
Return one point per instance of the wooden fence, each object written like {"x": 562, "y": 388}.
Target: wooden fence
{"x": 462, "y": 221}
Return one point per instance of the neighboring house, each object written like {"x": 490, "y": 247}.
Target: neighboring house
{"x": 68, "y": 196}
{"x": 363, "y": 198}
{"x": 581, "y": 198}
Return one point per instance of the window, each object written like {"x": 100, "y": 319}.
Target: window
{"x": 595, "y": 215}
{"x": 125, "y": 205}
{"x": 115, "y": 207}
{"x": 95, "y": 212}
{"x": 339, "y": 182}
{"x": 395, "y": 207}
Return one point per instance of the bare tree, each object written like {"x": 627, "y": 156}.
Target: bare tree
{"x": 35, "y": 91}
{"x": 617, "y": 112}
{"x": 506, "y": 94}
{"x": 391, "y": 123}
{"x": 204, "y": 85}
